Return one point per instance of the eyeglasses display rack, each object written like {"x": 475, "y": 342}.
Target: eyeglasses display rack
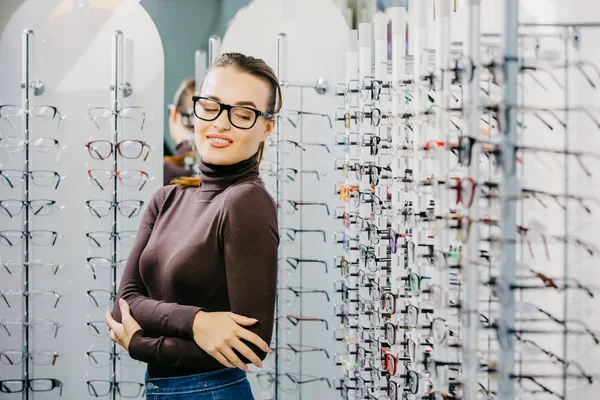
{"x": 57, "y": 345}
{"x": 123, "y": 150}
{"x": 481, "y": 314}
{"x": 297, "y": 181}
{"x": 20, "y": 242}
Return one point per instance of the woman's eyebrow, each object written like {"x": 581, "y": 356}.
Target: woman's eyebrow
{"x": 239, "y": 103}
{"x": 246, "y": 103}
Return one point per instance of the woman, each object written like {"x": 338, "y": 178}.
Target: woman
{"x": 201, "y": 277}
{"x": 181, "y": 130}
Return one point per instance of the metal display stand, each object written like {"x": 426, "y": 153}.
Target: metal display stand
{"x": 28, "y": 38}
{"x": 78, "y": 353}
{"x": 279, "y": 168}
{"x": 115, "y": 88}
{"x": 451, "y": 119}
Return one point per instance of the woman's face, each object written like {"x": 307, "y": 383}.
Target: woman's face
{"x": 218, "y": 141}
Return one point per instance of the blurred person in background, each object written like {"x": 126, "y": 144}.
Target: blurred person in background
{"x": 181, "y": 130}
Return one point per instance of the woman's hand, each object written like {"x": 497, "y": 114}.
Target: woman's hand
{"x": 218, "y": 333}
{"x": 122, "y": 333}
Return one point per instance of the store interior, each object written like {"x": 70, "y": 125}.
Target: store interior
{"x": 433, "y": 166}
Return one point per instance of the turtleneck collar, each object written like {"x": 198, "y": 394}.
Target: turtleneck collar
{"x": 220, "y": 177}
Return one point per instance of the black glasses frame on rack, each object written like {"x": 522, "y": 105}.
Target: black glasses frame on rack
{"x": 127, "y": 389}
{"x": 103, "y": 238}
{"x": 102, "y": 358}
{"x": 41, "y": 207}
{"x": 102, "y": 208}
{"x": 38, "y": 237}
{"x": 35, "y": 385}
{"x": 289, "y": 234}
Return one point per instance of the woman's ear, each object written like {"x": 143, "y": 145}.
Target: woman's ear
{"x": 172, "y": 113}
{"x": 269, "y": 128}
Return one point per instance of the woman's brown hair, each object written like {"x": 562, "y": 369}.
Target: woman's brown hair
{"x": 255, "y": 67}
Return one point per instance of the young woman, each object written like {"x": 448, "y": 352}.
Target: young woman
{"x": 197, "y": 297}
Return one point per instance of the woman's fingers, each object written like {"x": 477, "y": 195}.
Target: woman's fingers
{"x": 232, "y": 358}
{"x": 241, "y": 320}
{"x": 112, "y": 324}
{"x": 124, "y": 307}
{"x": 248, "y": 353}
{"x": 113, "y": 336}
{"x": 254, "y": 339}
{"x": 221, "y": 358}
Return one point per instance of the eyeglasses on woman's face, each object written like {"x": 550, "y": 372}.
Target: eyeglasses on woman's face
{"x": 240, "y": 116}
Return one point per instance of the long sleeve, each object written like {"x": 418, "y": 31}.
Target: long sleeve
{"x": 156, "y": 318}
{"x": 249, "y": 238}
{"x": 171, "y": 352}
{"x": 250, "y": 241}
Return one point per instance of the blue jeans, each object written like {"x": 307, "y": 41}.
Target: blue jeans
{"x": 225, "y": 384}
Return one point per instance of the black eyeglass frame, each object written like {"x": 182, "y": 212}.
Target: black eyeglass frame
{"x": 228, "y": 108}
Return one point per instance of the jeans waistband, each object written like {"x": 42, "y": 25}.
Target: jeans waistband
{"x": 198, "y": 382}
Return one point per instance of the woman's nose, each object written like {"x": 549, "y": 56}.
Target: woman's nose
{"x": 222, "y": 123}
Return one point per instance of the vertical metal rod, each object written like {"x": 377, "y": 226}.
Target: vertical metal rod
{"x": 418, "y": 17}
{"x": 214, "y": 49}
{"x": 508, "y": 207}
{"x": 301, "y": 240}
{"x": 200, "y": 66}
{"x": 117, "y": 48}
{"x": 27, "y": 53}
{"x": 281, "y": 70}
{"x": 398, "y": 16}
{"x": 566, "y": 215}
{"x": 470, "y": 319}
{"x": 443, "y": 88}
{"x": 380, "y": 34}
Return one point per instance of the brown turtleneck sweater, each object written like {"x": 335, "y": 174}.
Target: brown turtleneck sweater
{"x": 212, "y": 247}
